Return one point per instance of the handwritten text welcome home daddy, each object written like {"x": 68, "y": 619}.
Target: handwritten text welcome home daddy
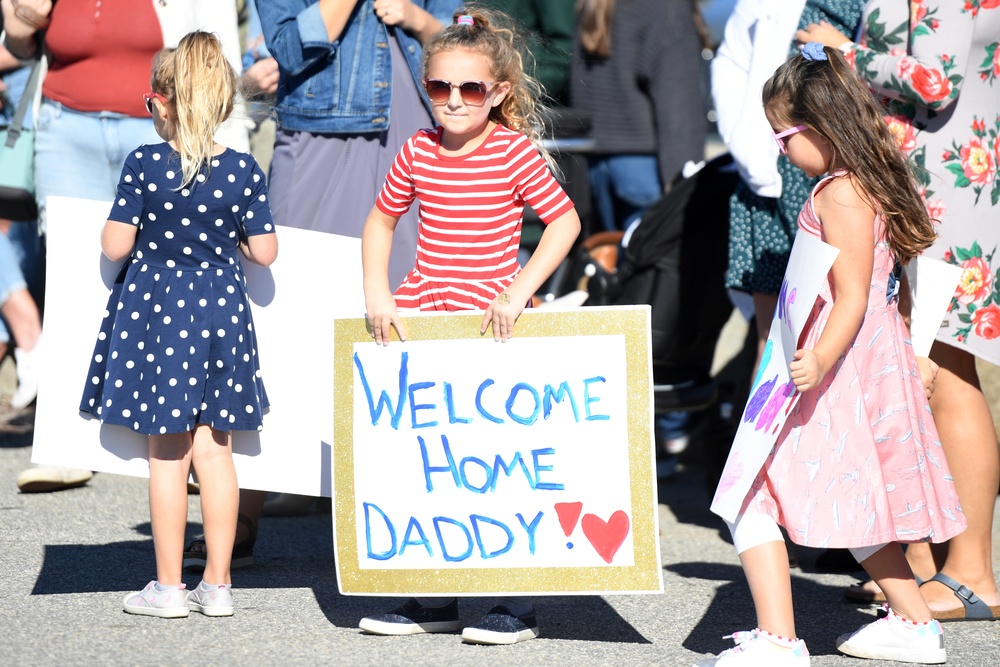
{"x": 481, "y": 464}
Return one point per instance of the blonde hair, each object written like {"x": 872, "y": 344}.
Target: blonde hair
{"x": 828, "y": 97}
{"x": 200, "y": 86}
{"x": 492, "y": 35}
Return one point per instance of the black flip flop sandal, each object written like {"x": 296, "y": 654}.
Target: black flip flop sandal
{"x": 195, "y": 559}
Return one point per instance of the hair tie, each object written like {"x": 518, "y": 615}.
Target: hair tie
{"x": 464, "y": 19}
{"x": 814, "y": 51}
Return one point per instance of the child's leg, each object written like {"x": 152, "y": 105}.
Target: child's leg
{"x": 889, "y": 568}
{"x": 169, "y": 465}
{"x": 213, "y": 462}
{"x": 907, "y": 633}
{"x": 764, "y": 558}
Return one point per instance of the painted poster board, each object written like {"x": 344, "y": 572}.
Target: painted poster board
{"x": 932, "y": 285}
{"x": 773, "y": 394}
{"x": 316, "y": 278}
{"x": 464, "y": 466}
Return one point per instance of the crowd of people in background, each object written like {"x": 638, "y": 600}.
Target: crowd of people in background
{"x": 327, "y": 132}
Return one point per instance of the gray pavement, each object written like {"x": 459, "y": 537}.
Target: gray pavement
{"x": 69, "y": 558}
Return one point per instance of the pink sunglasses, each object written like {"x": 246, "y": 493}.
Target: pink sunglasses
{"x": 779, "y": 137}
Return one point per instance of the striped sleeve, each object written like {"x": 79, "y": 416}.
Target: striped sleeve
{"x": 534, "y": 183}
{"x": 398, "y": 192}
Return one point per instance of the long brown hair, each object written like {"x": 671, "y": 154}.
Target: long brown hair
{"x": 492, "y": 35}
{"x": 595, "y": 18}
{"x": 200, "y": 87}
{"x": 828, "y": 97}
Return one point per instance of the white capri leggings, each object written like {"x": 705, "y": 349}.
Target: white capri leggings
{"x": 752, "y": 530}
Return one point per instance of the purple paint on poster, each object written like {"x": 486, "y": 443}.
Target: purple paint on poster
{"x": 769, "y": 413}
{"x": 759, "y": 399}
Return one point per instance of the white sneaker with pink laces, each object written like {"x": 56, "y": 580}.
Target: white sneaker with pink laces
{"x": 754, "y": 648}
{"x": 896, "y": 638}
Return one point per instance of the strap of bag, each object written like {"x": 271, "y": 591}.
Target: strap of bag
{"x": 17, "y": 124}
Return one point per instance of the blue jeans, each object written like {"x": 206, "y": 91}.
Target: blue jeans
{"x": 20, "y": 249}
{"x": 80, "y": 154}
{"x": 623, "y": 186}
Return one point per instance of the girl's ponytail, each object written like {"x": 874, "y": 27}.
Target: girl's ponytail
{"x": 200, "y": 86}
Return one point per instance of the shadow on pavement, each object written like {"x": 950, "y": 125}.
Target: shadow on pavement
{"x": 821, "y": 614}
{"x": 297, "y": 552}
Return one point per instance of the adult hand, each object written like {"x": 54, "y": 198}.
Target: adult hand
{"x": 806, "y": 370}
{"x": 502, "y": 314}
{"x": 33, "y": 14}
{"x": 382, "y": 315}
{"x": 928, "y": 373}
{"x": 261, "y": 78}
{"x": 396, "y": 12}
{"x": 822, "y": 32}
{"x": 21, "y": 20}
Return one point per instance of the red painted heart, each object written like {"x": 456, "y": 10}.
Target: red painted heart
{"x": 606, "y": 536}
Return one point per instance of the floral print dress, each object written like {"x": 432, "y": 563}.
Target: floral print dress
{"x": 938, "y": 65}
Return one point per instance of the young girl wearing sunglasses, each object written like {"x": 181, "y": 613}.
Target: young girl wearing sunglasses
{"x": 858, "y": 464}
{"x": 472, "y": 176}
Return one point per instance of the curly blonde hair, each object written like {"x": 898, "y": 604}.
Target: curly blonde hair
{"x": 492, "y": 35}
{"x": 200, "y": 87}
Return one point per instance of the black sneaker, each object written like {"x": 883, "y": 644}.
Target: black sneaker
{"x": 412, "y": 619}
{"x": 500, "y": 626}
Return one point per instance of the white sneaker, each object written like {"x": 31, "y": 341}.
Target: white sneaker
{"x": 27, "y": 376}
{"x": 211, "y": 600}
{"x": 753, "y": 649}
{"x": 152, "y": 602}
{"x": 893, "y": 638}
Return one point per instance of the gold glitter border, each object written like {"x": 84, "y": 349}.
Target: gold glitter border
{"x": 644, "y": 576}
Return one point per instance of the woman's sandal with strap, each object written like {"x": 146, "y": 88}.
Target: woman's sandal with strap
{"x": 196, "y": 553}
{"x": 973, "y": 608}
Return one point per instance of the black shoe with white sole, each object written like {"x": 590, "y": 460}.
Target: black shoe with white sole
{"x": 500, "y": 626}
{"x": 412, "y": 618}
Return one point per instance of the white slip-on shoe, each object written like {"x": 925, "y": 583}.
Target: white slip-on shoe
{"x": 211, "y": 600}
{"x": 149, "y": 601}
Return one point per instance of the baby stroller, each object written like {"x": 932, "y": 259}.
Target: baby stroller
{"x": 675, "y": 260}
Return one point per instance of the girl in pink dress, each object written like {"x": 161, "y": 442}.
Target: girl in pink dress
{"x": 858, "y": 464}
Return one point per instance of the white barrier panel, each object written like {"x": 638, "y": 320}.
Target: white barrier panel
{"x": 316, "y": 278}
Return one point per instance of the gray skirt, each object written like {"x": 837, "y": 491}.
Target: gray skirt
{"x": 329, "y": 182}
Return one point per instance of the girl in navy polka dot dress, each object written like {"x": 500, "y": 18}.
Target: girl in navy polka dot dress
{"x": 176, "y": 355}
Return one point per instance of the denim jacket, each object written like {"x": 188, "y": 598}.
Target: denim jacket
{"x": 344, "y": 86}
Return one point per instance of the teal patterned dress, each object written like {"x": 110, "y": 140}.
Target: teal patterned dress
{"x": 761, "y": 229}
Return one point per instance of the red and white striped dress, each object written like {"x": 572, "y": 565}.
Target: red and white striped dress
{"x": 470, "y": 215}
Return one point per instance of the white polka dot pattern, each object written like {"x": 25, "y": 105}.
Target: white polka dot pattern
{"x": 157, "y": 367}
